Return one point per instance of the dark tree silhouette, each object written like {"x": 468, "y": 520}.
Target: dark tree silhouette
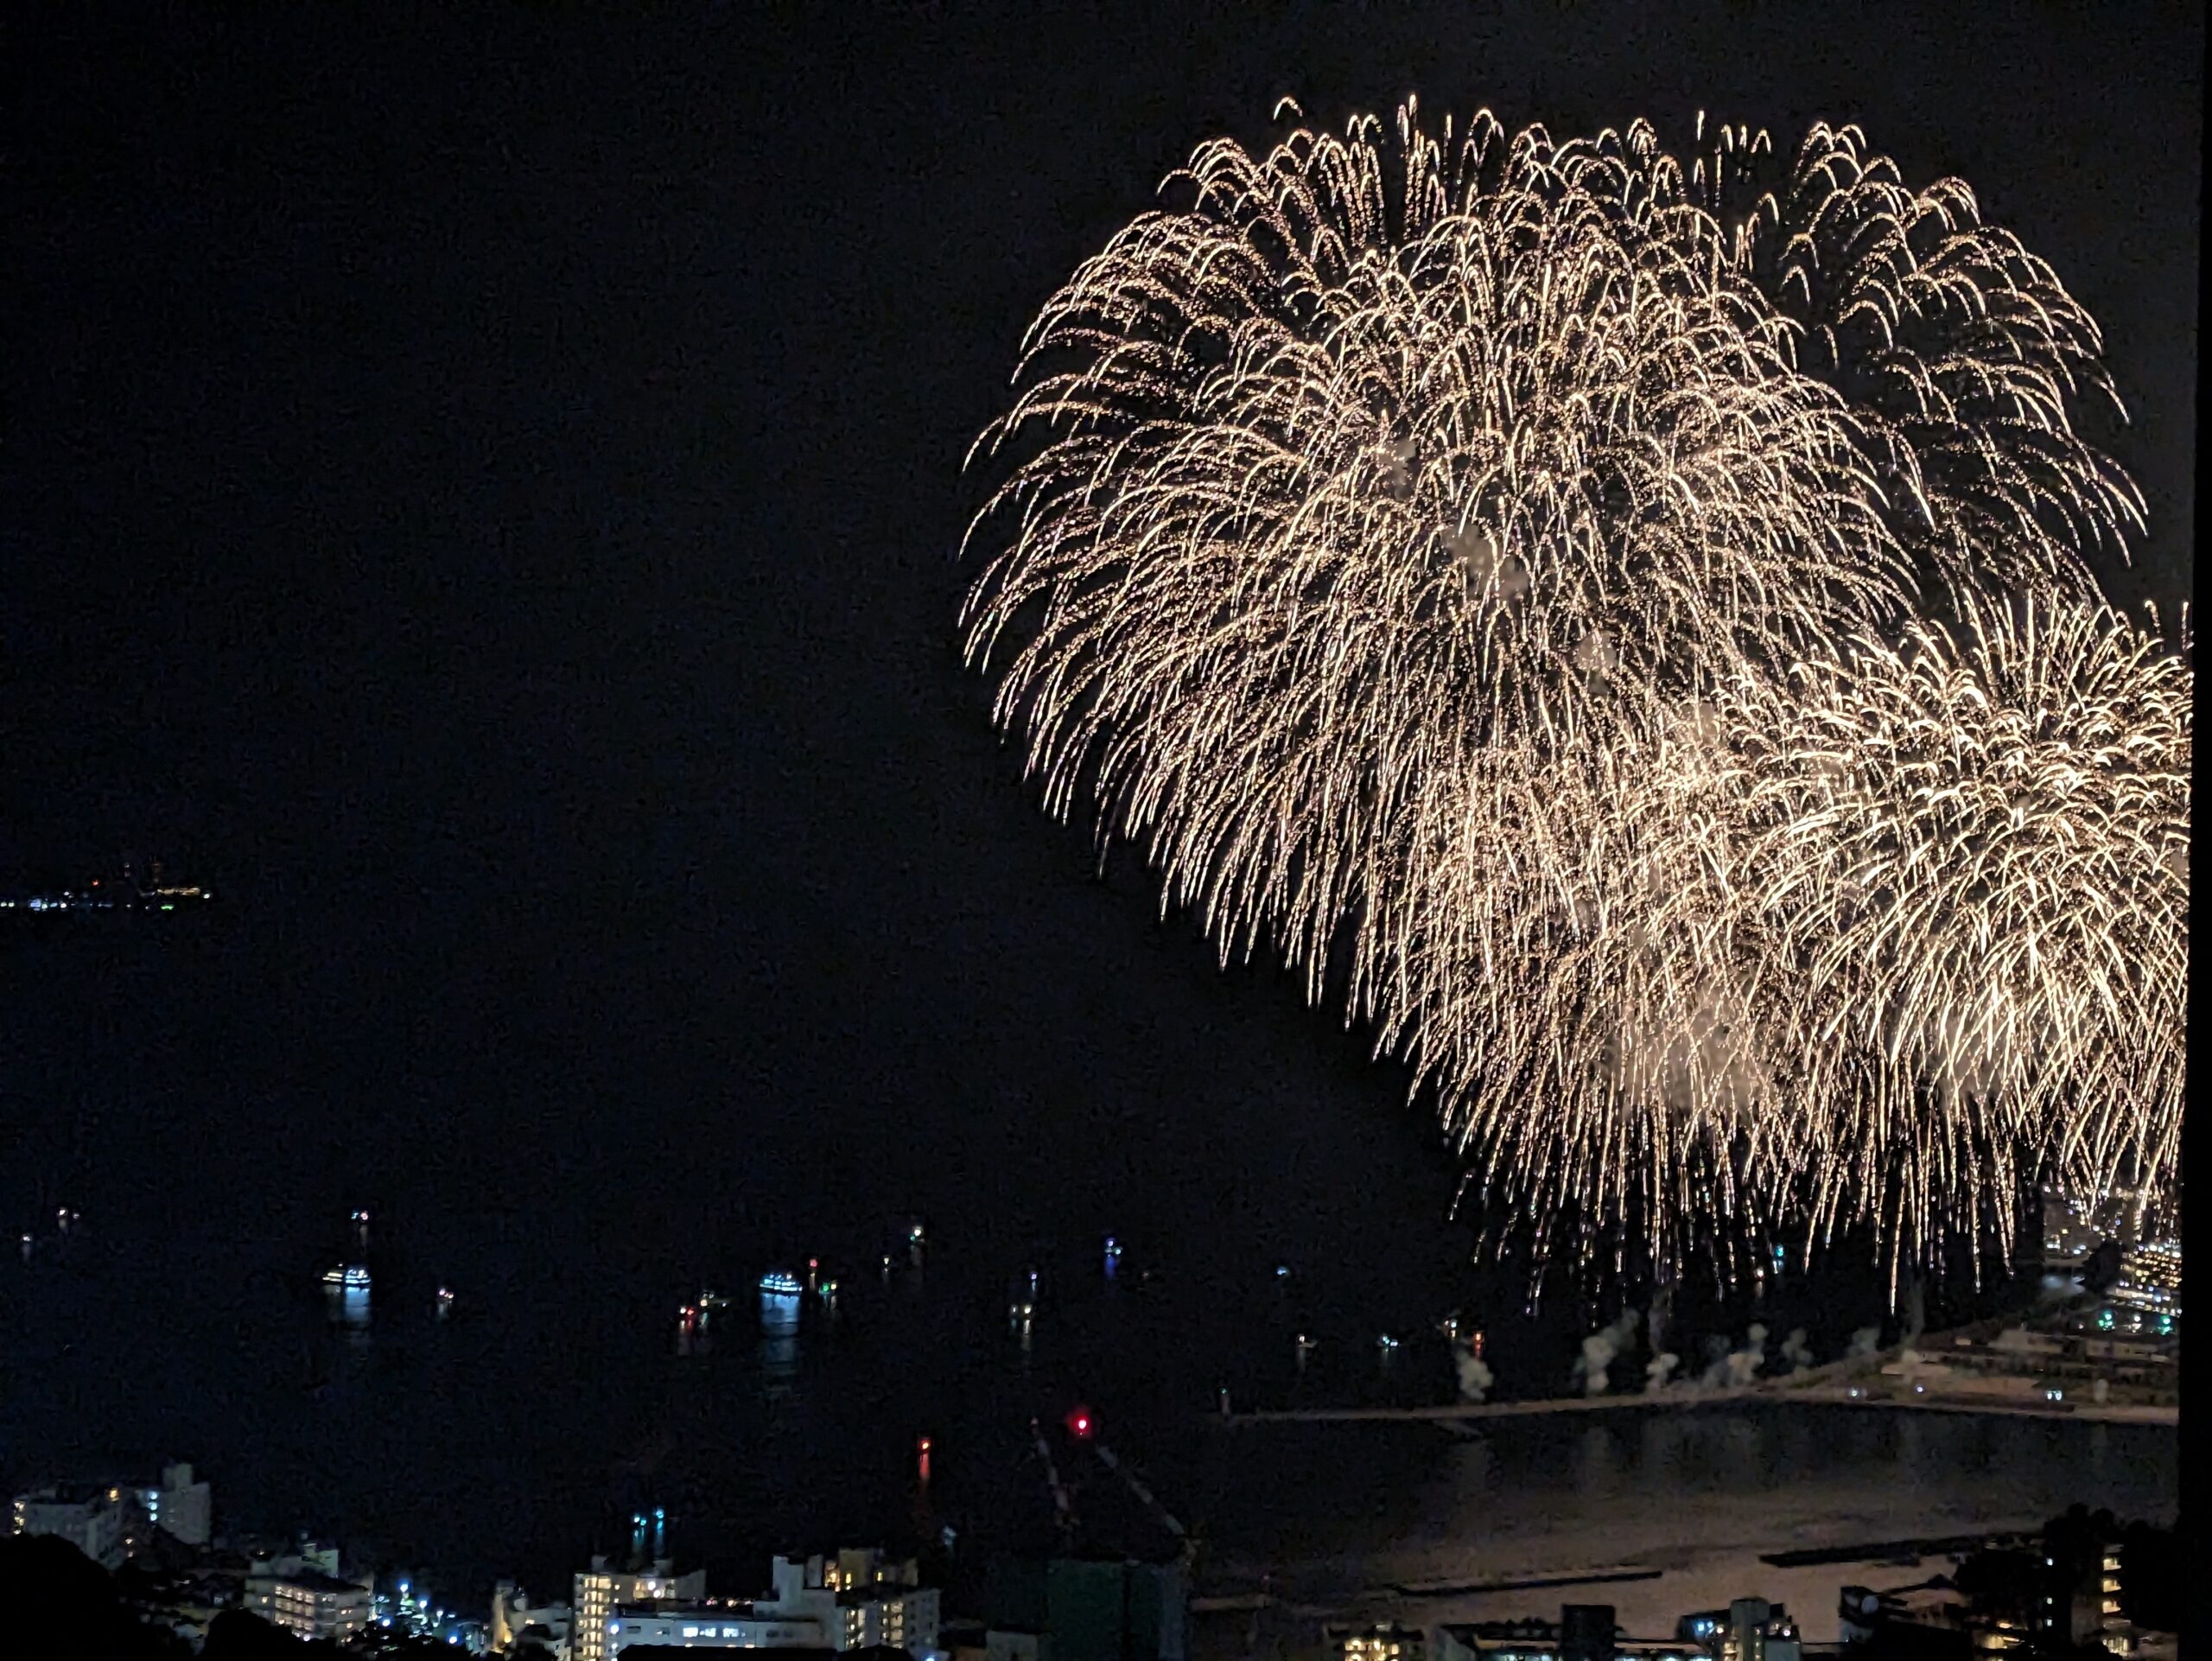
{"x": 241, "y": 1635}
{"x": 63, "y": 1606}
{"x": 2152, "y": 1584}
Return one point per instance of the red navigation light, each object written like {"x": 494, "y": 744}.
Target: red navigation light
{"x": 924, "y": 1444}
{"x": 1079, "y": 1423}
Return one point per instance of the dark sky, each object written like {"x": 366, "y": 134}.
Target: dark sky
{"x": 485, "y": 482}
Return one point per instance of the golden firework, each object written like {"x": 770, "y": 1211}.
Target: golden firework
{"x": 1406, "y": 540}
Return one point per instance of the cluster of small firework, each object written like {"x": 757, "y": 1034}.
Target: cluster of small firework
{"x": 1625, "y": 630}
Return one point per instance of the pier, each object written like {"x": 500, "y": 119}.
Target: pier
{"x": 1457, "y": 1412}
{"x": 1684, "y": 1398}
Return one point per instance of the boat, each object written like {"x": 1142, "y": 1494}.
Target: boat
{"x": 777, "y": 1284}
{"x": 350, "y": 1276}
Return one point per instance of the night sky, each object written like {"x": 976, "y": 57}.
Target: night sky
{"x": 484, "y": 487}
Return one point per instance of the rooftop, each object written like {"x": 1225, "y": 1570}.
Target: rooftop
{"x": 314, "y": 1581}
{"x": 69, "y": 1493}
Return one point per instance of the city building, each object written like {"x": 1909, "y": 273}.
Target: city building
{"x": 600, "y": 1590}
{"x": 1759, "y": 1631}
{"x": 2075, "y": 1229}
{"x": 859, "y": 1600}
{"x": 1094, "y": 1608}
{"x": 1929, "y": 1621}
{"x": 1749, "y": 1629}
{"x": 2081, "y": 1596}
{"x": 514, "y": 1617}
{"x": 2070, "y": 1230}
{"x": 1531, "y": 1638}
{"x": 2056, "y": 1593}
{"x": 840, "y": 1603}
{"x": 1388, "y": 1642}
{"x": 2030, "y": 1365}
{"x": 180, "y": 1507}
{"x": 94, "y": 1520}
{"x": 643, "y": 1650}
{"x": 309, "y": 1602}
{"x": 1004, "y": 1644}
{"x": 709, "y": 1626}
{"x": 963, "y": 1640}
{"x": 2149, "y": 1281}
{"x": 306, "y": 1554}
{"x": 1584, "y": 1631}
{"x": 409, "y": 1610}
{"x": 1587, "y": 1632}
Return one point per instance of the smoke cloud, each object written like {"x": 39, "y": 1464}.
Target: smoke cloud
{"x": 1735, "y": 1369}
{"x": 1744, "y": 1364}
{"x": 1716, "y": 1364}
{"x": 1475, "y": 1378}
{"x": 1865, "y": 1344}
{"x": 1484, "y": 566}
{"x": 1594, "y": 654}
{"x": 1656, "y": 1369}
{"x": 1601, "y": 1349}
{"x": 1796, "y": 1350}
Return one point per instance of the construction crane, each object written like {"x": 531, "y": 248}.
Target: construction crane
{"x": 1064, "y": 1510}
{"x": 1151, "y": 1501}
{"x": 1080, "y": 1427}
{"x": 1185, "y": 1546}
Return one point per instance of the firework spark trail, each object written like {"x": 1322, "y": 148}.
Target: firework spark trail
{"x": 1408, "y": 546}
{"x": 1966, "y": 852}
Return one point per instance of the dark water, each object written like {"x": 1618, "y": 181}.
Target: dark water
{"x": 216, "y": 1105}
{"x": 1341, "y": 1513}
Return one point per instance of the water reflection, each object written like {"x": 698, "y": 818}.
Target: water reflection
{"x": 778, "y": 1348}
{"x": 1536, "y": 1494}
{"x": 346, "y": 1301}
{"x": 1598, "y": 1465}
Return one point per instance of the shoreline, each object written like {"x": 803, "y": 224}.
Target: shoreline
{"x": 1829, "y": 1396}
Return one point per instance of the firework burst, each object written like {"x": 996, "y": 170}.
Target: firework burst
{"x": 1398, "y": 532}
{"x": 1971, "y": 856}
